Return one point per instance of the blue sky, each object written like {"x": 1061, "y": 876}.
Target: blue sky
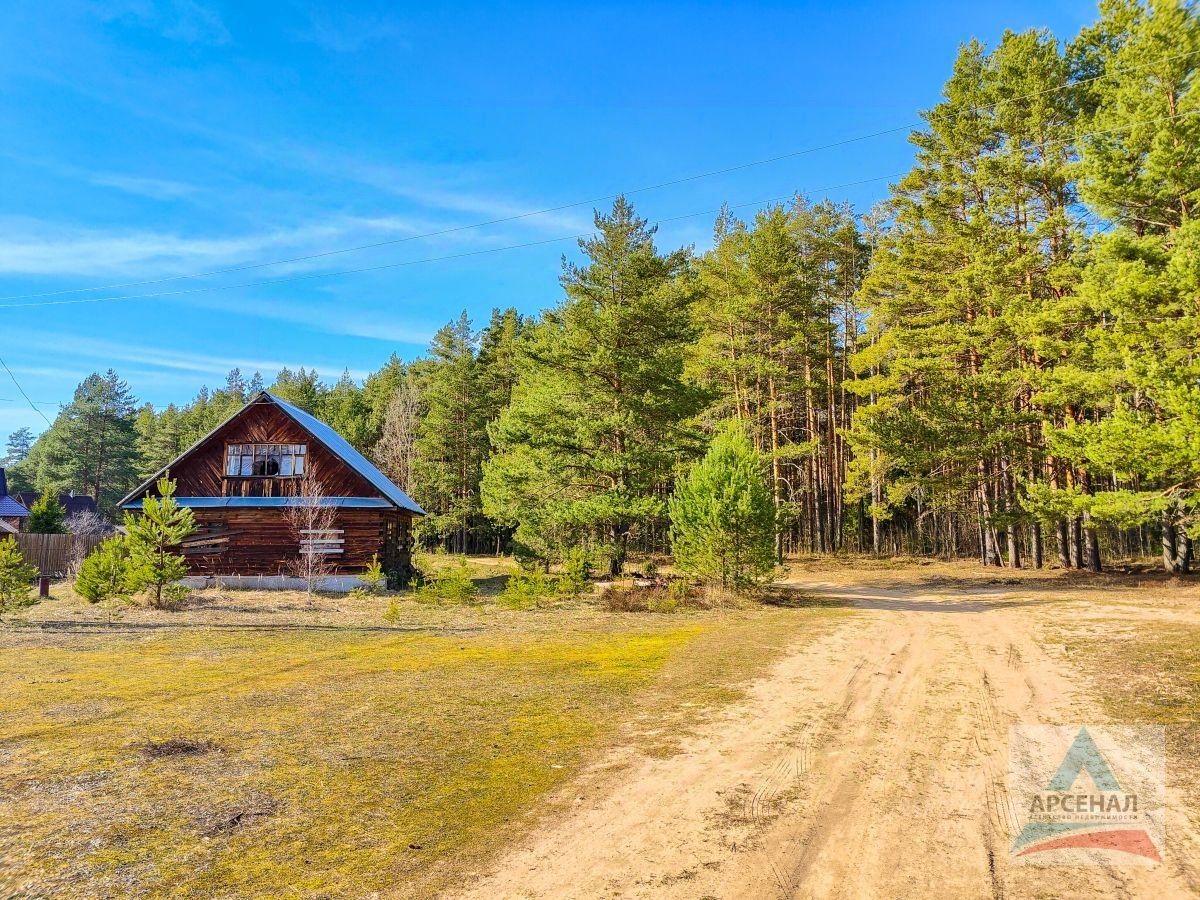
{"x": 141, "y": 140}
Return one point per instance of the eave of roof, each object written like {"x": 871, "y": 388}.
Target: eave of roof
{"x": 272, "y": 502}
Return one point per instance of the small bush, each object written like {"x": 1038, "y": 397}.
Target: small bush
{"x": 625, "y": 598}
{"x": 681, "y": 590}
{"x": 16, "y": 577}
{"x": 106, "y": 576}
{"x": 374, "y": 580}
{"x": 650, "y": 568}
{"x": 577, "y": 572}
{"x": 528, "y": 590}
{"x": 668, "y": 598}
{"x": 46, "y": 516}
{"x": 452, "y": 584}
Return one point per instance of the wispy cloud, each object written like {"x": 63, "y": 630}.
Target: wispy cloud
{"x": 342, "y": 32}
{"x": 338, "y": 315}
{"x": 35, "y": 247}
{"x": 179, "y": 20}
{"x": 154, "y": 188}
{"x": 110, "y": 353}
{"x": 451, "y": 188}
{"x": 138, "y": 185}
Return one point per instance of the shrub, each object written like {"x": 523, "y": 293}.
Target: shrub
{"x": 668, "y": 598}
{"x": 452, "y": 583}
{"x": 85, "y": 527}
{"x": 106, "y": 576}
{"x": 16, "y": 578}
{"x": 46, "y": 516}
{"x": 650, "y": 568}
{"x": 528, "y": 590}
{"x": 680, "y": 591}
{"x": 374, "y": 580}
{"x": 722, "y": 517}
{"x": 393, "y": 613}
{"x": 624, "y": 598}
{"x": 662, "y": 602}
{"x": 162, "y": 524}
{"x": 577, "y": 571}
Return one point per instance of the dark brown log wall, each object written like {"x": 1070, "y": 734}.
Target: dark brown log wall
{"x": 261, "y": 541}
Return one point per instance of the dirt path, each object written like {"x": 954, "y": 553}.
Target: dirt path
{"x": 872, "y": 764}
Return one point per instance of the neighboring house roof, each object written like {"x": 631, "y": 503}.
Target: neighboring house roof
{"x": 334, "y": 442}
{"x": 72, "y": 504}
{"x": 11, "y": 508}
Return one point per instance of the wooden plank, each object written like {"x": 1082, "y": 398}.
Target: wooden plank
{"x": 190, "y": 542}
{"x": 265, "y": 543}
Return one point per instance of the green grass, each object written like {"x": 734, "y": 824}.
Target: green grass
{"x": 343, "y": 762}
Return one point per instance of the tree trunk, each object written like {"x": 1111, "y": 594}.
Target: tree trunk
{"x": 1170, "y": 542}
{"x": 1092, "y": 540}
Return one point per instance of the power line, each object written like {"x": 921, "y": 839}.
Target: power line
{"x": 410, "y": 262}
{"x": 470, "y": 253}
{"x": 566, "y": 206}
{"x": 32, "y": 405}
{"x": 38, "y": 402}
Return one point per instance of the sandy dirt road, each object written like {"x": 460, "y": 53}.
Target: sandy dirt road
{"x": 870, "y": 764}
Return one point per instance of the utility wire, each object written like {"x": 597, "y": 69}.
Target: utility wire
{"x": 307, "y": 276}
{"x": 32, "y": 405}
{"x": 410, "y": 262}
{"x": 566, "y": 206}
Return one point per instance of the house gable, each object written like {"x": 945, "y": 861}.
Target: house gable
{"x": 200, "y": 471}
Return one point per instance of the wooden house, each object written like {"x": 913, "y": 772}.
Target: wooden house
{"x": 13, "y": 512}
{"x": 241, "y": 479}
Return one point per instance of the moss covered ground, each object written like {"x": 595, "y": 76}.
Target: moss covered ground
{"x": 172, "y": 756}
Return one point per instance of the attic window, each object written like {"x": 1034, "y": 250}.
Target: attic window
{"x": 265, "y": 460}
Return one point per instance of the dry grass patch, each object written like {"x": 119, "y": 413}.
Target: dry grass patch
{"x": 338, "y": 761}
{"x": 1144, "y": 671}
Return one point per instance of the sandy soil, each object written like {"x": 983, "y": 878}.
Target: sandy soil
{"x": 870, "y": 764}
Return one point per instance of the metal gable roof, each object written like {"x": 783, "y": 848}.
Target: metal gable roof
{"x": 351, "y": 457}
{"x": 11, "y": 508}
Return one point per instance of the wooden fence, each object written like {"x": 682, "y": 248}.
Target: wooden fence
{"x": 51, "y": 553}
